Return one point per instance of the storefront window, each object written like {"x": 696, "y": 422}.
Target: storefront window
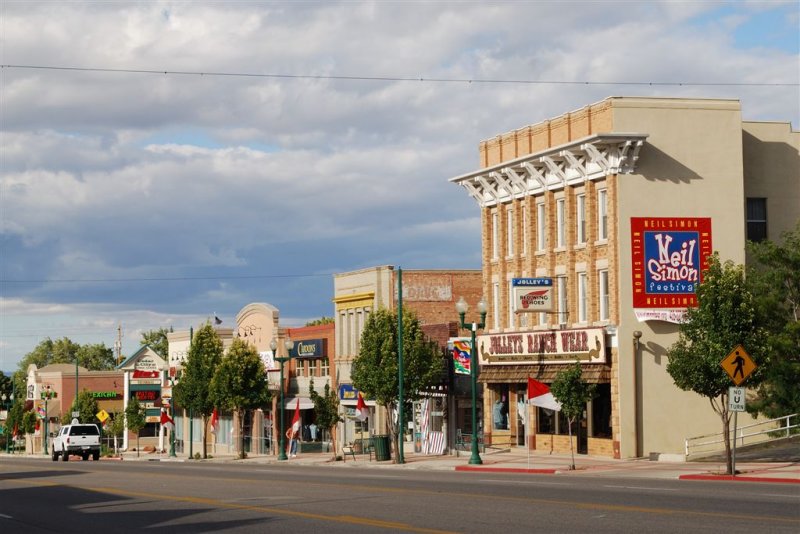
{"x": 601, "y": 412}
{"x": 500, "y": 408}
{"x": 546, "y": 421}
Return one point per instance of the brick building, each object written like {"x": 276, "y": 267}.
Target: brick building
{"x": 614, "y": 208}
{"x": 430, "y": 293}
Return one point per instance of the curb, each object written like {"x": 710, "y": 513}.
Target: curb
{"x": 740, "y": 479}
{"x": 506, "y": 470}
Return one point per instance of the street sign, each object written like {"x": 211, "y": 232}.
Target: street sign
{"x": 738, "y": 365}
{"x": 76, "y": 414}
{"x": 102, "y": 415}
{"x": 736, "y": 399}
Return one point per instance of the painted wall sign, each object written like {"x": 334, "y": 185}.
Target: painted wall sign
{"x": 669, "y": 255}
{"x": 544, "y": 346}
{"x": 419, "y": 287}
{"x": 309, "y": 348}
{"x": 532, "y": 295}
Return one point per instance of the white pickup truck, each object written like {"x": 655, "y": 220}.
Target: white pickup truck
{"x": 77, "y": 439}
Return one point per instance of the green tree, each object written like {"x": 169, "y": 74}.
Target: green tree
{"x": 240, "y": 384}
{"x": 115, "y": 428}
{"x": 320, "y": 321}
{"x": 326, "y": 408}
{"x": 725, "y": 317}
{"x": 573, "y": 393}
{"x": 375, "y": 369}
{"x": 157, "y": 340}
{"x": 96, "y": 357}
{"x": 28, "y": 426}
{"x": 15, "y": 416}
{"x": 6, "y": 385}
{"x": 87, "y": 408}
{"x": 192, "y": 392}
{"x": 774, "y": 280}
{"x": 135, "y": 419}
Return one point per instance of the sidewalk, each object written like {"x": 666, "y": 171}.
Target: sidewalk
{"x": 517, "y": 461}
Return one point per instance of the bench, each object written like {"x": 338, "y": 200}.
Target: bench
{"x": 348, "y": 449}
{"x": 464, "y": 442}
{"x": 362, "y": 446}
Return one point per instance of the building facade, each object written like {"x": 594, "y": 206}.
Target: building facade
{"x": 613, "y": 209}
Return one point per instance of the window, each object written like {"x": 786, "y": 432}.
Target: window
{"x": 300, "y": 368}
{"x": 601, "y": 411}
{"x": 603, "y": 292}
{"x": 562, "y": 299}
{"x": 756, "y": 219}
{"x": 582, "y": 298}
{"x": 580, "y": 217}
{"x": 540, "y": 227}
{"x": 324, "y": 367}
{"x": 560, "y": 224}
{"x": 495, "y": 232}
{"x": 543, "y": 318}
{"x": 524, "y": 230}
{"x": 510, "y": 232}
{"x": 602, "y": 215}
{"x": 496, "y": 305}
{"x": 511, "y": 305}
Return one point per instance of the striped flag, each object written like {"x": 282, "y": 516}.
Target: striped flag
{"x": 166, "y": 420}
{"x": 539, "y": 395}
{"x": 362, "y": 412}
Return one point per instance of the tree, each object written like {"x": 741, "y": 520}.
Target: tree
{"x": 320, "y": 321}
{"x": 95, "y": 357}
{"x": 157, "y": 340}
{"x": 135, "y": 419}
{"x": 375, "y": 369}
{"x": 29, "y": 422}
{"x": 115, "y": 427}
{"x": 774, "y": 280}
{"x": 573, "y": 393}
{"x": 192, "y": 391}
{"x": 86, "y": 406}
{"x": 725, "y": 317}
{"x": 240, "y": 384}
{"x": 326, "y": 407}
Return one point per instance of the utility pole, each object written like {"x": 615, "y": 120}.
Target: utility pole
{"x": 118, "y": 344}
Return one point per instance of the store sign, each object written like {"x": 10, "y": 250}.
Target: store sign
{"x": 347, "y": 392}
{"x": 544, "y": 346}
{"x": 104, "y": 394}
{"x": 146, "y": 363}
{"x": 532, "y": 295}
{"x": 309, "y": 348}
{"x": 669, "y": 255}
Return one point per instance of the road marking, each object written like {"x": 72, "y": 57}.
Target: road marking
{"x": 525, "y": 482}
{"x": 642, "y": 487}
{"x": 4, "y": 516}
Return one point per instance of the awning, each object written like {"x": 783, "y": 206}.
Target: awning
{"x": 305, "y": 403}
{"x": 593, "y": 373}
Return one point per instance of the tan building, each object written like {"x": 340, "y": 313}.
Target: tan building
{"x": 617, "y": 205}
{"x": 432, "y": 294}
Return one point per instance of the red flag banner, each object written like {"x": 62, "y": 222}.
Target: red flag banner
{"x": 214, "y": 421}
{"x": 539, "y": 395}
{"x": 166, "y": 420}
{"x": 362, "y": 412}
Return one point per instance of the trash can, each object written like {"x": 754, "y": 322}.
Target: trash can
{"x": 382, "y": 448}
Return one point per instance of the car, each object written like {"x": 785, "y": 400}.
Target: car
{"x": 78, "y": 439}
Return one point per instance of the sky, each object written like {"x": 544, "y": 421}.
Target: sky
{"x": 165, "y": 162}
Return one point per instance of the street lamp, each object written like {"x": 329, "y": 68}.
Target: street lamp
{"x": 8, "y": 401}
{"x": 461, "y": 308}
{"x": 289, "y": 345}
{"x": 47, "y": 394}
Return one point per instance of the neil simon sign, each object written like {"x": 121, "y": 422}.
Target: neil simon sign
{"x": 669, "y": 255}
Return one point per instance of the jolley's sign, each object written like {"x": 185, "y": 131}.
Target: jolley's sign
{"x": 532, "y": 294}
{"x": 543, "y": 346}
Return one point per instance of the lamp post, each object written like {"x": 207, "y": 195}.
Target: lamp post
{"x": 47, "y": 394}
{"x": 288, "y": 344}
{"x": 461, "y": 308}
{"x": 8, "y": 401}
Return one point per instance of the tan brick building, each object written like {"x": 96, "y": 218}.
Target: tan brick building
{"x": 617, "y": 204}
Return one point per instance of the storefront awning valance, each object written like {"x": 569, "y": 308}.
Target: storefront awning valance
{"x": 518, "y": 374}
{"x": 290, "y": 403}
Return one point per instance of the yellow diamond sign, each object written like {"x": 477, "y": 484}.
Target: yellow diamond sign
{"x": 102, "y": 415}
{"x": 738, "y": 365}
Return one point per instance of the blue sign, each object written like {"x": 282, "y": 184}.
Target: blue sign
{"x": 309, "y": 348}
{"x": 347, "y": 392}
{"x": 532, "y": 282}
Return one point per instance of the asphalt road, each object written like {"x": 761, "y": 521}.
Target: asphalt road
{"x": 42, "y": 496}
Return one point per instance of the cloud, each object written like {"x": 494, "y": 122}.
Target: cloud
{"x": 183, "y": 193}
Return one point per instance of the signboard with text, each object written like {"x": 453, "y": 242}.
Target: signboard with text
{"x": 532, "y": 295}
{"x": 669, "y": 255}
{"x": 543, "y": 346}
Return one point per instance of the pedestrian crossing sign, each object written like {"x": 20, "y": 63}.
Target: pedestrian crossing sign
{"x": 738, "y": 365}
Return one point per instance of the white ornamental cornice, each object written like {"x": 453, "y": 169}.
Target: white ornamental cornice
{"x": 590, "y": 158}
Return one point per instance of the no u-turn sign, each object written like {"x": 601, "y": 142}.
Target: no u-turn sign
{"x": 736, "y": 399}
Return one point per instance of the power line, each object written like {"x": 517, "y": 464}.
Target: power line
{"x": 160, "y": 279}
{"x": 400, "y": 78}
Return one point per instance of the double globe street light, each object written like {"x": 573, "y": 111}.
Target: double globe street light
{"x": 8, "y": 401}
{"x": 462, "y": 307}
{"x": 289, "y": 345}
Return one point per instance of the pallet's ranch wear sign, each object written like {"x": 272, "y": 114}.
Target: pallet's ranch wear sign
{"x": 669, "y": 255}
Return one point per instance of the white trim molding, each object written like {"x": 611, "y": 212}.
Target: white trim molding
{"x": 574, "y": 163}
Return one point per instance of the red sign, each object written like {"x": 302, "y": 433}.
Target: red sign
{"x": 146, "y": 374}
{"x": 145, "y": 396}
{"x": 669, "y": 255}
